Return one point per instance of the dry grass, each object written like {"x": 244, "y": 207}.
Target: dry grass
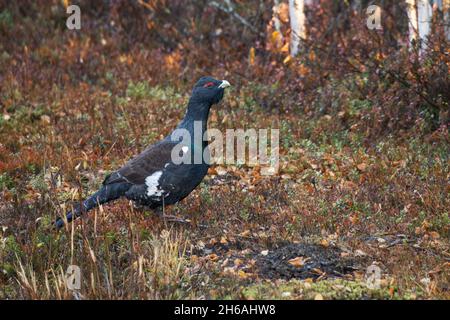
{"x": 156, "y": 269}
{"x": 347, "y": 178}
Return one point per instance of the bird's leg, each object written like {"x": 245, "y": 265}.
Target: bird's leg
{"x": 171, "y": 218}
{"x": 160, "y": 212}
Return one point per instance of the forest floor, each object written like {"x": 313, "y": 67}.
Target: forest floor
{"x": 339, "y": 204}
{"x": 336, "y": 208}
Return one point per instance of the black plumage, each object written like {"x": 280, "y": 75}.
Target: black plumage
{"x": 152, "y": 178}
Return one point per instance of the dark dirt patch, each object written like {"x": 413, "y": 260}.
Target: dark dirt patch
{"x": 319, "y": 261}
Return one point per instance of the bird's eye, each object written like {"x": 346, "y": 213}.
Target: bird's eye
{"x": 208, "y": 84}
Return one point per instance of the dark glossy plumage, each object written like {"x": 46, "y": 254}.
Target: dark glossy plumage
{"x": 152, "y": 179}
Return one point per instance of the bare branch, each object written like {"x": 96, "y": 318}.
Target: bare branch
{"x": 228, "y": 7}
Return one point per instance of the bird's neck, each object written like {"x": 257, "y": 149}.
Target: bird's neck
{"x": 196, "y": 117}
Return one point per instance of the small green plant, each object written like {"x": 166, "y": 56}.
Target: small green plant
{"x": 138, "y": 90}
{"x": 357, "y": 105}
{"x": 38, "y": 183}
{"x": 323, "y": 289}
{"x": 205, "y": 194}
{"x": 6, "y": 182}
{"x": 6, "y": 20}
{"x": 244, "y": 214}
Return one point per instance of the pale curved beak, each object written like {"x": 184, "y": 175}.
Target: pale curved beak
{"x": 224, "y": 84}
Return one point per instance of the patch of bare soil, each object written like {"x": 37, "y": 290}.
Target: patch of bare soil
{"x": 315, "y": 261}
{"x": 287, "y": 260}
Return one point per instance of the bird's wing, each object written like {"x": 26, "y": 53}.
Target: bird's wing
{"x": 151, "y": 160}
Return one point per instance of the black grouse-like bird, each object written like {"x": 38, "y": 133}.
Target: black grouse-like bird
{"x": 156, "y": 177}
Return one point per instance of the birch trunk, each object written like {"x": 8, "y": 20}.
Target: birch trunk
{"x": 420, "y": 15}
{"x": 276, "y": 16}
{"x": 297, "y": 19}
{"x": 413, "y": 22}
{"x": 424, "y": 17}
{"x": 446, "y": 11}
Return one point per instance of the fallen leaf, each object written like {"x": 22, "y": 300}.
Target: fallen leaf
{"x": 287, "y": 59}
{"x": 298, "y": 262}
{"x": 350, "y": 185}
{"x": 223, "y": 240}
{"x": 45, "y": 119}
{"x": 362, "y": 167}
{"x": 201, "y": 244}
{"x": 434, "y": 235}
{"x": 213, "y": 257}
{"x": 318, "y": 271}
{"x": 221, "y": 171}
{"x": 324, "y": 243}
{"x": 245, "y": 233}
{"x": 251, "y": 56}
{"x": 237, "y": 262}
{"x": 354, "y": 219}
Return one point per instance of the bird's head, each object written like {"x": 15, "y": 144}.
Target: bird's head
{"x": 209, "y": 90}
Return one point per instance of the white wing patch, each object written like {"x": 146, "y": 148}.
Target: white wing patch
{"x": 152, "y": 184}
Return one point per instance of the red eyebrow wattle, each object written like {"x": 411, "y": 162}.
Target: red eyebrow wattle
{"x": 208, "y": 84}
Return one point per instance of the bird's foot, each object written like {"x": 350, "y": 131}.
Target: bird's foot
{"x": 171, "y": 218}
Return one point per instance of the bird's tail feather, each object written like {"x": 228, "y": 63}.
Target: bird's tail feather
{"x": 105, "y": 194}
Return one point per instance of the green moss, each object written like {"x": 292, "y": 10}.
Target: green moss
{"x": 11, "y": 246}
{"x": 38, "y": 183}
{"x": 142, "y": 89}
{"x": 6, "y": 20}
{"x": 205, "y": 194}
{"x": 138, "y": 90}
{"x": 6, "y": 182}
{"x": 328, "y": 289}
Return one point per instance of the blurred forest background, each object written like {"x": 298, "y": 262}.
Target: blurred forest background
{"x": 363, "y": 117}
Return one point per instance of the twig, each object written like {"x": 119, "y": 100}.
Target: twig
{"x": 230, "y": 10}
{"x": 146, "y": 5}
